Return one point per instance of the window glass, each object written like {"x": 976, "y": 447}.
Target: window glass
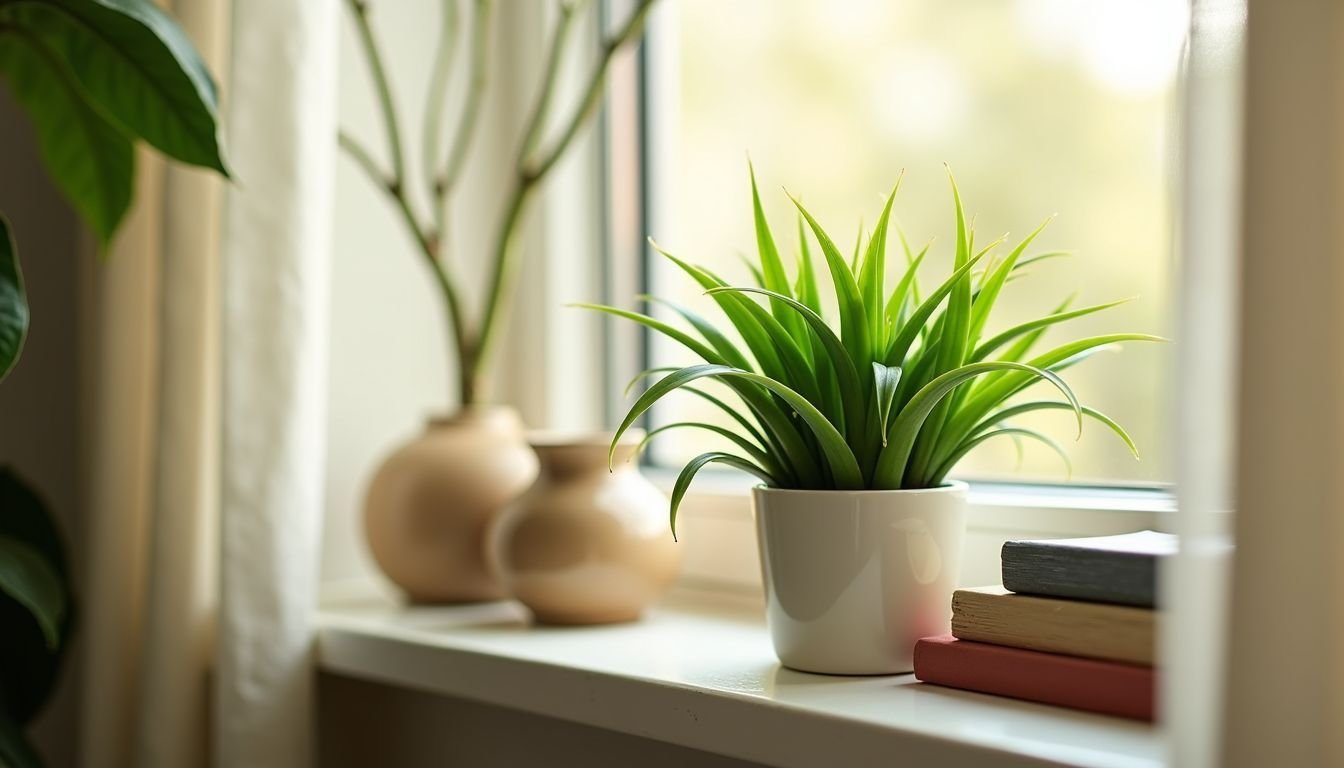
{"x": 1040, "y": 108}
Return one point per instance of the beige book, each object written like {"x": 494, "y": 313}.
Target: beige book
{"x": 1073, "y": 627}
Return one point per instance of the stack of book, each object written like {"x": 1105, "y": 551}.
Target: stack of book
{"x": 1073, "y": 625}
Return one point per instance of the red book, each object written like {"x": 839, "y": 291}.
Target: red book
{"x": 1108, "y": 687}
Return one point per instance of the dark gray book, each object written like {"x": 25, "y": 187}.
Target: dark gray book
{"x": 1109, "y": 569}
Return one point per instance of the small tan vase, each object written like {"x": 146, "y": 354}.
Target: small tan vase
{"x": 430, "y": 503}
{"x": 585, "y": 545}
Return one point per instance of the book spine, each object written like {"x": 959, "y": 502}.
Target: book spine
{"x": 1106, "y": 688}
{"x": 1080, "y": 574}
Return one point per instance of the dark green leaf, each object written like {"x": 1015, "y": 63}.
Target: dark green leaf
{"x": 137, "y": 67}
{"x": 13, "y": 302}
{"x": 15, "y": 750}
{"x": 30, "y": 667}
{"x": 27, "y": 577}
{"x": 88, "y": 158}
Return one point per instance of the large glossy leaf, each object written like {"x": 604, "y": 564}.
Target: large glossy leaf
{"x": 138, "y": 68}
{"x": 27, "y": 577}
{"x": 87, "y": 156}
{"x": 30, "y": 666}
{"x": 13, "y": 302}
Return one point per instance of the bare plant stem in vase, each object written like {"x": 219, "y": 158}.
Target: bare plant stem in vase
{"x": 443, "y": 495}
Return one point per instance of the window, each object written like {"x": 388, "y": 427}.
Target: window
{"x": 1040, "y": 107}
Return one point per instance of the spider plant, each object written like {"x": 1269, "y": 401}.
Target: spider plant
{"x": 891, "y": 396}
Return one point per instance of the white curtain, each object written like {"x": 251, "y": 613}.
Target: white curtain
{"x": 281, "y": 129}
{"x": 205, "y": 409}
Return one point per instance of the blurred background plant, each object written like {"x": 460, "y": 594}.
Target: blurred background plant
{"x": 94, "y": 77}
{"x": 472, "y": 338}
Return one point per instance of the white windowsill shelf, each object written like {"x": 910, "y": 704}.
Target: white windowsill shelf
{"x": 699, "y": 672}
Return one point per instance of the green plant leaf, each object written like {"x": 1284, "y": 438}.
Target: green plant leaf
{"x": 136, "y": 66}
{"x": 841, "y": 364}
{"x": 13, "y": 302}
{"x": 27, "y": 577}
{"x": 676, "y": 334}
{"x": 891, "y": 464}
{"x": 999, "y": 417}
{"x": 895, "y": 311}
{"x": 688, "y": 473}
{"x": 853, "y": 321}
{"x": 1018, "y": 432}
{"x": 807, "y": 277}
{"x": 754, "y": 451}
{"x": 756, "y": 339}
{"x": 31, "y": 667}
{"x": 918, "y": 320}
{"x": 986, "y": 349}
{"x": 994, "y": 282}
{"x": 773, "y": 275}
{"x": 887, "y": 378}
{"x": 835, "y": 452}
{"x": 15, "y": 749}
{"x": 88, "y": 158}
{"x": 721, "y": 343}
{"x": 872, "y": 275}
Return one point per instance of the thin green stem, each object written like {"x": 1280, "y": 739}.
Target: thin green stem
{"x": 593, "y": 92}
{"x": 444, "y": 53}
{"x": 375, "y": 62}
{"x": 537, "y": 121}
{"x": 423, "y": 241}
{"x": 530, "y": 176}
{"x": 471, "y": 108}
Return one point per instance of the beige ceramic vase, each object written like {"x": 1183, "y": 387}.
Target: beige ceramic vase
{"x": 429, "y": 505}
{"x": 585, "y": 545}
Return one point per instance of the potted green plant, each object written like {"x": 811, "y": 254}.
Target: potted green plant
{"x": 95, "y": 77}
{"x": 853, "y": 426}
{"x": 430, "y": 502}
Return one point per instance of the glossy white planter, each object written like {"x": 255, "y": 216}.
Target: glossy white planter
{"x": 854, "y": 578}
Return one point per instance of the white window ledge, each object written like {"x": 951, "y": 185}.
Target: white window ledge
{"x": 699, "y": 672}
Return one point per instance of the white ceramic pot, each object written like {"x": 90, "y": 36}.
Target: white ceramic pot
{"x": 854, "y": 578}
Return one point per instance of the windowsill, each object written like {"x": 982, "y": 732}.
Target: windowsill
{"x": 699, "y": 672}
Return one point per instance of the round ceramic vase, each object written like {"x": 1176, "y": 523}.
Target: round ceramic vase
{"x": 854, "y": 578}
{"x": 430, "y": 503}
{"x": 585, "y": 545}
